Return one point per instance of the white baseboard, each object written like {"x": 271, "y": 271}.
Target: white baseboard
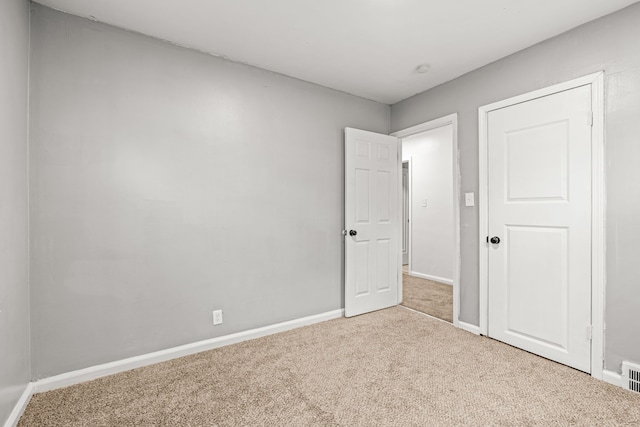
{"x": 612, "y": 378}
{"x": 21, "y": 405}
{"x": 432, "y": 278}
{"x": 469, "y": 327}
{"x": 87, "y": 374}
{"x": 93, "y": 372}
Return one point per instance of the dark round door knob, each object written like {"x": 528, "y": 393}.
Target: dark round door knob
{"x": 495, "y": 240}
{"x": 352, "y": 232}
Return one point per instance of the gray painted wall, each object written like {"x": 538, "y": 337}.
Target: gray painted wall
{"x": 166, "y": 183}
{"x": 14, "y": 286}
{"x": 611, "y": 44}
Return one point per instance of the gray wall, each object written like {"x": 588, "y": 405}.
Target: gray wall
{"x": 611, "y": 44}
{"x": 166, "y": 183}
{"x": 14, "y": 286}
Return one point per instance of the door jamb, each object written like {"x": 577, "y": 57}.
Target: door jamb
{"x": 451, "y": 119}
{"x": 596, "y": 81}
{"x": 410, "y": 185}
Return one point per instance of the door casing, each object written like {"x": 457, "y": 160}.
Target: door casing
{"x": 408, "y": 216}
{"x": 596, "y": 81}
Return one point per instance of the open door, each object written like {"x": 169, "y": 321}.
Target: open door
{"x": 372, "y": 221}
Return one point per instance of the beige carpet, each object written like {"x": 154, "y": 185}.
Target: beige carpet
{"x": 426, "y": 296}
{"x": 394, "y": 367}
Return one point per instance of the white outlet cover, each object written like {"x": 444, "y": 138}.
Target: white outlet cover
{"x": 217, "y": 317}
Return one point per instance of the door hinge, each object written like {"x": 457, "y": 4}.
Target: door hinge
{"x": 589, "y": 332}
{"x": 590, "y": 118}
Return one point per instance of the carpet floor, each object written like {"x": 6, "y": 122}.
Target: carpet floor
{"x": 393, "y": 367}
{"x": 427, "y": 296}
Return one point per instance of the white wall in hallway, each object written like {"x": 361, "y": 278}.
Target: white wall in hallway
{"x": 431, "y": 184}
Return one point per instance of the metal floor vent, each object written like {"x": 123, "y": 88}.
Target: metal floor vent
{"x": 631, "y": 376}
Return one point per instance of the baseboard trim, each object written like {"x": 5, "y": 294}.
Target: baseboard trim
{"x": 432, "y": 278}
{"x": 469, "y": 327}
{"x": 612, "y": 378}
{"x": 93, "y": 372}
{"x": 21, "y": 405}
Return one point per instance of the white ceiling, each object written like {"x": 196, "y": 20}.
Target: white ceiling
{"x": 369, "y": 48}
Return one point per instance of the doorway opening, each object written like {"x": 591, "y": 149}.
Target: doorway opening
{"x": 430, "y": 219}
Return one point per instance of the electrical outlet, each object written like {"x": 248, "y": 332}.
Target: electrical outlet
{"x": 217, "y": 317}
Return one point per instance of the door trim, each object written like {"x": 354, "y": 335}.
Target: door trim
{"x": 410, "y": 185}
{"x": 451, "y": 119}
{"x": 596, "y": 81}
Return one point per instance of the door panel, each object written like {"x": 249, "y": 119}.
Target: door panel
{"x": 361, "y": 273}
{"x": 372, "y": 211}
{"x": 539, "y": 177}
{"x": 362, "y": 196}
{"x": 384, "y": 204}
{"x": 538, "y": 286}
{"x": 383, "y": 275}
{"x": 539, "y": 148}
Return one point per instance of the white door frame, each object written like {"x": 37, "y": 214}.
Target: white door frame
{"x": 596, "y": 81}
{"x": 410, "y": 185}
{"x": 451, "y": 119}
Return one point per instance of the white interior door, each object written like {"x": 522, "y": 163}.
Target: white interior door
{"x": 539, "y": 207}
{"x": 372, "y": 221}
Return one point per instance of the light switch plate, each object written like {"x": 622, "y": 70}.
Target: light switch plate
{"x": 469, "y": 199}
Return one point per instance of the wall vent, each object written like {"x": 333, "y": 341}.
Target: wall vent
{"x": 631, "y": 376}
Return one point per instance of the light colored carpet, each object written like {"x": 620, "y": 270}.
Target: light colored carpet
{"x": 426, "y": 296}
{"x": 394, "y": 367}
